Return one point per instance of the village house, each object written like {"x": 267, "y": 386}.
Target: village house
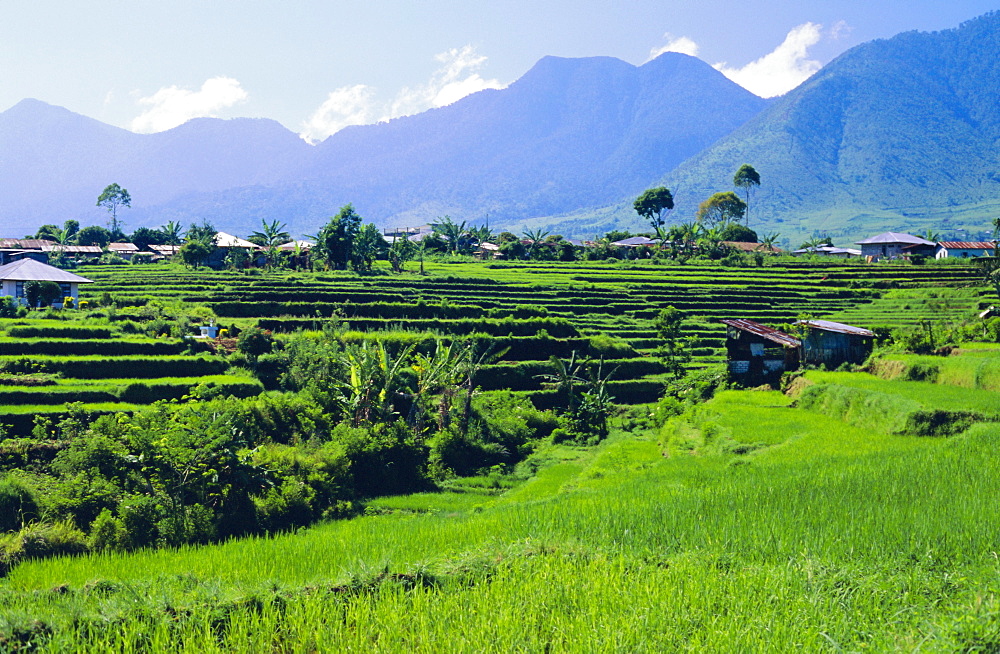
{"x": 964, "y": 249}
{"x": 13, "y": 277}
{"x": 832, "y": 343}
{"x": 828, "y": 251}
{"x": 893, "y": 245}
{"x": 124, "y": 250}
{"x": 757, "y": 354}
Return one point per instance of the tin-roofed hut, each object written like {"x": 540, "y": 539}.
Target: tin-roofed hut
{"x": 833, "y": 343}
{"x": 757, "y": 354}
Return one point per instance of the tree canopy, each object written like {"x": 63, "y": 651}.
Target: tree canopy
{"x": 112, "y": 197}
{"x": 720, "y": 208}
{"x": 651, "y": 205}
{"x": 747, "y": 178}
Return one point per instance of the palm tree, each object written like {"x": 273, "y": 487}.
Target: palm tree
{"x": 172, "y": 232}
{"x": 536, "y": 238}
{"x": 450, "y": 230}
{"x": 271, "y": 234}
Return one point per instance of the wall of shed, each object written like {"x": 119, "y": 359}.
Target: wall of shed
{"x": 834, "y": 348}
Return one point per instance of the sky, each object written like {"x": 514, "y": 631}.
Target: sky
{"x": 319, "y": 65}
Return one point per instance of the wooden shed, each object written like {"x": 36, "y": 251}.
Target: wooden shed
{"x": 833, "y": 343}
{"x": 757, "y": 354}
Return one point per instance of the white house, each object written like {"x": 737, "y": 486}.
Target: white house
{"x": 964, "y": 249}
{"x": 14, "y": 276}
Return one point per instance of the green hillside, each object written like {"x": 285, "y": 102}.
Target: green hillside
{"x": 897, "y": 134}
{"x": 747, "y": 523}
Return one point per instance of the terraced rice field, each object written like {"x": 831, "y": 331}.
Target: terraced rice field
{"x": 544, "y": 309}
{"x": 100, "y": 370}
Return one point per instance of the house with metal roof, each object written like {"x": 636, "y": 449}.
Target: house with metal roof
{"x": 13, "y": 277}
{"x": 892, "y": 245}
{"x": 828, "y": 251}
{"x": 757, "y": 354}
{"x": 964, "y": 249}
{"x": 833, "y": 343}
{"x": 635, "y": 242}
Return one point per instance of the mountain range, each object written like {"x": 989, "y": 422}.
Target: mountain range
{"x": 898, "y": 134}
{"x": 570, "y": 133}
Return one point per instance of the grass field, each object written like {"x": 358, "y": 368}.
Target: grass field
{"x": 744, "y": 525}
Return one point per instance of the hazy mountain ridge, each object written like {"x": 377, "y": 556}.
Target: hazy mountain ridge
{"x": 569, "y": 133}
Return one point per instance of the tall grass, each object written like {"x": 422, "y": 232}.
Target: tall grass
{"x": 820, "y": 541}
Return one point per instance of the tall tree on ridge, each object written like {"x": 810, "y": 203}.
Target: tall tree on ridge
{"x": 747, "y": 178}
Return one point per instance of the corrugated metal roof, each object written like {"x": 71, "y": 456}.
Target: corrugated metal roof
{"x": 224, "y": 240}
{"x": 839, "y": 327}
{"x": 25, "y": 243}
{"x": 73, "y": 249}
{"x": 967, "y": 245}
{"x": 123, "y": 247}
{"x": 635, "y": 241}
{"x": 895, "y": 237}
{"x": 763, "y": 331}
{"x": 27, "y": 270}
{"x": 751, "y": 247}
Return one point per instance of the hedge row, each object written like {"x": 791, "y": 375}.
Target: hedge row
{"x": 134, "y": 367}
{"x": 30, "y": 331}
{"x": 91, "y": 347}
{"x": 556, "y": 327}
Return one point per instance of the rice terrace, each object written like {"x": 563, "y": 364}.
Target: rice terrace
{"x": 573, "y": 342}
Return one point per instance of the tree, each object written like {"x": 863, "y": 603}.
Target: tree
{"x": 335, "y": 241}
{"x": 651, "y": 205}
{"x": 195, "y": 252}
{"x": 70, "y": 229}
{"x": 452, "y": 232}
{"x": 143, "y": 237}
{"x": 368, "y": 246}
{"x": 401, "y": 251}
{"x": 673, "y": 351}
{"x": 171, "y": 233}
{"x": 720, "y": 208}
{"x": 94, "y": 235}
{"x": 112, "y": 197}
{"x": 42, "y": 292}
{"x": 536, "y": 239}
{"x": 272, "y": 233}
{"x": 737, "y": 232}
{"x": 205, "y": 232}
{"x": 747, "y": 179}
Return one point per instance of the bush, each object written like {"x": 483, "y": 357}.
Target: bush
{"x": 107, "y": 533}
{"x": 254, "y": 342}
{"x": 39, "y": 540}
{"x": 17, "y": 505}
{"x": 42, "y": 293}
{"x": 140, "y": 515}
{"x": 8, "y": 307}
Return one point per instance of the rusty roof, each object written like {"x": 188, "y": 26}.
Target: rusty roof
{"x": 763, "y": 331}
{"x": 967, "y": 245}
{"x": 839, "y": 327}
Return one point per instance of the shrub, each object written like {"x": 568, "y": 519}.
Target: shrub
{"x": 254, "y": 342}
{"x": 39, "y": 540}
{"x": 42, "y": 293}
{"x": 107, "y": 533}
{"x": 8, "y": 307}
{"x": 140, "y": 515}
{"x": 17, "y": 505}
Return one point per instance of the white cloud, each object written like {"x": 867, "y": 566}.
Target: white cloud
{"x": 348, "y": 105}
{"x": 781, "y": 70}
{"x": 172, "y": 106}
{"x": 840, "y": 30}
{"x": 681, "y": 44}
{"x": 457, "y": 77}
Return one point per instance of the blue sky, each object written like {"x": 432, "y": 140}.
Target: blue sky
{"x": 316, "y": 66}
